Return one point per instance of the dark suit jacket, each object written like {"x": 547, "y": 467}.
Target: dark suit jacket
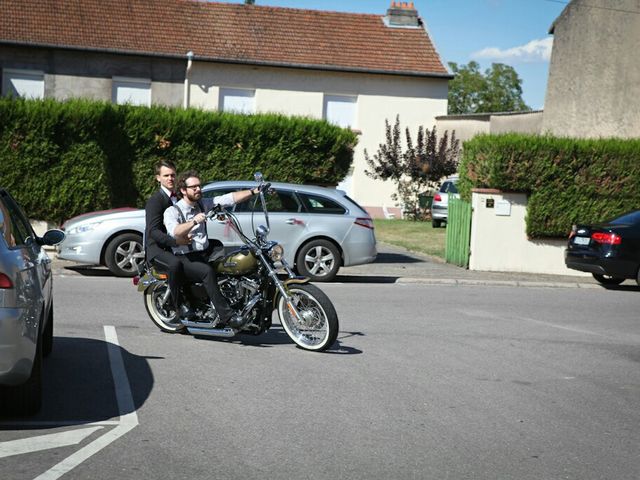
{"x": 155, "y": 236}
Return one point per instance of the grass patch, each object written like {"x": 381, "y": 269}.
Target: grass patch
{"x": 414, "y": 236}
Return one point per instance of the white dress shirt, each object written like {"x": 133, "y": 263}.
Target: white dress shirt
{"x": 200, "y": 241}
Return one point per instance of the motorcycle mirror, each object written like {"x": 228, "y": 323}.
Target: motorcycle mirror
{"x": 258, "y": 177}
{"x": 262, "y": 232}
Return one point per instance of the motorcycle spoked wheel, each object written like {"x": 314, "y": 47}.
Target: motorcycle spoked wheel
{"x": 165, "y": 318}
{"x": 318, "y": 329}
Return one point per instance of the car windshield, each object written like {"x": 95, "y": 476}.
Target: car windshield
{"x": 449, "y": 187}
{"x": 626, "y": 219}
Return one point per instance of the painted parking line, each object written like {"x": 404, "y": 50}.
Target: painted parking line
{"x": 128, "y": 421}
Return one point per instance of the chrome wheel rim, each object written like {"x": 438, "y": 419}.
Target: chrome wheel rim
{"x": 319, "y": 261}
{"x": 129, "y": 255}
{"x": 165, "y": 314}
{"x": 313, "y": 329}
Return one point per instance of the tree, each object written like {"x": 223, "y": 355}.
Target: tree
{"x": 417, "y": 167}
{"x": 499, "y": 89}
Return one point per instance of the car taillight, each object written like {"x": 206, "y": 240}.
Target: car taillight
{"x": 607, "y": 238}
{"x": 5, "y": 281}
{"x": 437, "y": 197}
{"x": 364, "y": 222}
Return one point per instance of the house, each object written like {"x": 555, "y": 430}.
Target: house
{"x": 594, "y": 75}
{"x": 356, "y": 70}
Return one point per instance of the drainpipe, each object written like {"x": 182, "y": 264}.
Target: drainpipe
{"x": 187, "y": 93}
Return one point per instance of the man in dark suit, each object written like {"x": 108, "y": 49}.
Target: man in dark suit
{"x": 157, "y": 243}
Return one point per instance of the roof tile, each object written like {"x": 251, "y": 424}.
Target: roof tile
{"x": 223, "y": 32}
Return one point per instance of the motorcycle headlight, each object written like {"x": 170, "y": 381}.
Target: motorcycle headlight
{"x": 276, "y": 252}
{"x": 82, "y": 228}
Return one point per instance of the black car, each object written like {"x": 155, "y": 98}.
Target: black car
{"x": 609, "y": 250}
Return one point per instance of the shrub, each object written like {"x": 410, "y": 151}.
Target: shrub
{"x": 568, "y": 180}
{"x": 62, "y": 159}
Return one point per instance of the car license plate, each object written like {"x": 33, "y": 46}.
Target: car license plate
{"x": 581, "y": 240}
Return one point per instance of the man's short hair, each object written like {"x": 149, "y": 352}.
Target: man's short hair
{"x": 182, "y": 180}
{"x": 165, "y": 163}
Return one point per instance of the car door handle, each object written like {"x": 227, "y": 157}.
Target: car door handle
{"x": 293, "y": 221}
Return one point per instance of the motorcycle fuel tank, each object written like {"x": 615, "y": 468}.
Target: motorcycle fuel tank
{"x": 238, "y": 262}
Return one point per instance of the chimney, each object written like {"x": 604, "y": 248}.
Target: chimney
{"x": 402, "y": 14}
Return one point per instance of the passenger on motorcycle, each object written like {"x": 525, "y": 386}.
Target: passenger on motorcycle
{"x": 186, "y": 220}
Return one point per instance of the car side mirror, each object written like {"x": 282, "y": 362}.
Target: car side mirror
{"x": 52, "y": 237}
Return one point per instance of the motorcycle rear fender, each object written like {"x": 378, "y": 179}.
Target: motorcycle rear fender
{"x": 149, "y": 278}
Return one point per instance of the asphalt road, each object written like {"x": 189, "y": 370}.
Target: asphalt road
{"x": 426, "y": 381}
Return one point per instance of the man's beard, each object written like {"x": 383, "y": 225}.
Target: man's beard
{"x": 194, "y": 197}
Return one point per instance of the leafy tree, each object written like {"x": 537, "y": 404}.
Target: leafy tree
{"x": 499, "y": 89}
{"x": 417, "y": 167}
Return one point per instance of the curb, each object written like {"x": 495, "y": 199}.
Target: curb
{"x": 494, "y": 283}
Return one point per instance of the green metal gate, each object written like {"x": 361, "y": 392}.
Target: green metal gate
{"x": 458, "y": 232}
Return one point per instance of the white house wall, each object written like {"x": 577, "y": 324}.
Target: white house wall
{"x": 301, "y": 92}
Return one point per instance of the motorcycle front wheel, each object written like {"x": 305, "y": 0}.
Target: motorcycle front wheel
{"x": 160, "y": 311}
{"x": 317, "y": 329}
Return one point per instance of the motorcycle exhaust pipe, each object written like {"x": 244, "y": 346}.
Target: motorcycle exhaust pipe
{"x": 212, "y": 332}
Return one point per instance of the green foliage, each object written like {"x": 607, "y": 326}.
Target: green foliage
{"x": 499, "y": 89}
{"x": 568, "y": 180}
{"x": 67, "y": 158}
{"x": 417, "y": 167}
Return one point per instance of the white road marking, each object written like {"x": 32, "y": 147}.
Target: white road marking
{"x": 126, "y": 408}
{"x": 44, "y": 442}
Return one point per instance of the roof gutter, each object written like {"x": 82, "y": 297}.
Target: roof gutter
{"x": 302, "y": 66}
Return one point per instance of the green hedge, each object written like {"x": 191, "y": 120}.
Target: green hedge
{"x": 60, "y": 159}
{"x": 568, "y": 180}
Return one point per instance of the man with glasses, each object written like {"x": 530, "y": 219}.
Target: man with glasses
{"x": 186, "y": 222}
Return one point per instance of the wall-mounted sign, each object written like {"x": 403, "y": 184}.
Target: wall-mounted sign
{"x": 503, "y": 207}
{"x": 489, "y": 203}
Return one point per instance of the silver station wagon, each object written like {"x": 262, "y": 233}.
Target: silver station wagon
{"x": 321, "y": 229}
{"x": 26, "y": 309}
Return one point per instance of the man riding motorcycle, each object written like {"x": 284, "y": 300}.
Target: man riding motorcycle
{"x": 186, "y": 222}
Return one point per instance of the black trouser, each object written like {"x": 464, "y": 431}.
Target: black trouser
{"x": 168, "y": 261}
{"x": 196, "y": 269}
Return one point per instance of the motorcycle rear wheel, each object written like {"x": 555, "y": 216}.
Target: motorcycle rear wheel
{"x": 165, "y": 318}
{"x": 319, "y": 327}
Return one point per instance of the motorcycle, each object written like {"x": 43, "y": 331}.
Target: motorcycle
{"x": 248, "y": 278}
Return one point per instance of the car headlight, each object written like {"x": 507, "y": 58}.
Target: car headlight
{"x": 82, "y": 228}
{"x": 276, "y": 252}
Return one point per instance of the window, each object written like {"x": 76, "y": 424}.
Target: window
{"x": 318, "y": 204}
{"x": 278, "y": 201}
{"x": 14, "y": 227}
{"x": 340, "y": 110}
{"x": 23, "y": 83}
{"x": 133, "y": 91}
{"x": 237, "y": 100}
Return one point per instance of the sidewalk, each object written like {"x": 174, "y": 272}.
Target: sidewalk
{"x": 397, "y": 265}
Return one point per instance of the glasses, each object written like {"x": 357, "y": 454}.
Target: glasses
{"x": 193, "y": 186}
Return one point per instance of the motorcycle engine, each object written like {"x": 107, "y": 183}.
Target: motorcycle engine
{"x": 238, "y": 291}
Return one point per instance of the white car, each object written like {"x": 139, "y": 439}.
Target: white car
{"x": 321, "y": 229}
{"x": 440, "y": 204}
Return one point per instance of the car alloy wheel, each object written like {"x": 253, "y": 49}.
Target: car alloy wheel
{"x": 319, "y": 260}
{"x": 124, "y": 255}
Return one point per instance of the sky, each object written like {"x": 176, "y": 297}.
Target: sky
{"x": 513, "y": 32}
